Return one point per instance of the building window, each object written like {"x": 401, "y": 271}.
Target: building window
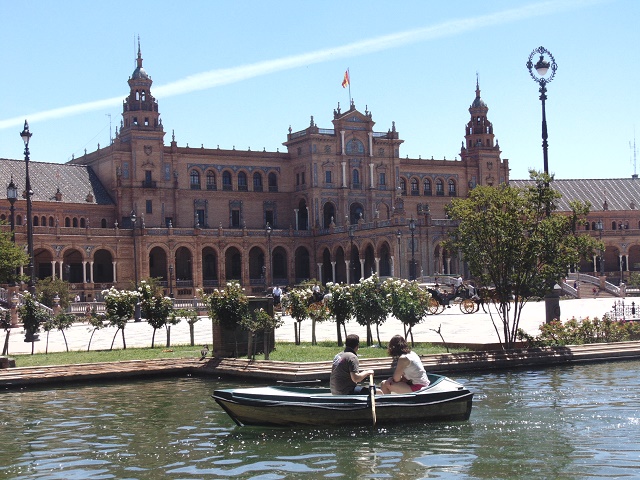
{"x": 452, "y": 188}
{"x": 125, "y": 170}
{"x": 354, "y": 147}
{"x": 302, "y": 180}
{"x": 103, "y": 223}
{"x": 195, "y": 180}
{"x": 273, "y": 182}
{"x": 426, "y": 187}
{"x": 200, "y": 217}
{"x": 235, "y": 218}
{"x": 415, "y": 189}
{"x": 226, "y": 181}
{"x": 269, "y": 218}
{"x": 439, "y": 187}
{"x": 382, "y": 178}
{"x": 355, "y": 178}
{"x": 149, "y": 206}
{"x": 211, "y": 180}
{"x": 327, "y": 176}
{"x": 242, "y": 182}
{"x": 403, "y": 186}
{"x": 257, "y": 182}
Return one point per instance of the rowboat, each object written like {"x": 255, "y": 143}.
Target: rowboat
{"x": 443, "y": 400}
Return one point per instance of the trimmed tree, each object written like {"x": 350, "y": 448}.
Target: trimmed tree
{"x": 228, "y": 307}
{"x": 370, "y": 305}
{"x": 119, "y": 306}
{"x": 513, "y": 241}
{"x": 409, "y": 303}
{"x": 340, "y": 304}
{"x": 155, "y": 308}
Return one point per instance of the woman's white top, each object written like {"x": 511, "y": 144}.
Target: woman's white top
{"x": 415, "y": 370}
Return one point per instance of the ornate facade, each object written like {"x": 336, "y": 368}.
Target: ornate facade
{"x": 336, "y": 205}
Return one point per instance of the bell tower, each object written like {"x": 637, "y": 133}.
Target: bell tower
{"x": 140, "y": 108}
{"x": 480, "y": 149}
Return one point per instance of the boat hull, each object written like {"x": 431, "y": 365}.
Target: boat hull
{"x": 443, "y": 400}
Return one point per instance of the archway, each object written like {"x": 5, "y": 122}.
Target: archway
{"x": 184, "y": 267}
{"x": 385, "y": 260}
{"x": 158, "y": 263}
{"x": 209, "y": 267}
{"x": 102, "y": 266}
{"x": 302, "y": 268}
{"x": 280, "y": 272}
{"x": 328, "y": 214}
{"x": 233, "y": 264}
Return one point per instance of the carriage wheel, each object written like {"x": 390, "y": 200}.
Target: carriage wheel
{"x": 467, "y": 306}
{"x": 434, "y": 306}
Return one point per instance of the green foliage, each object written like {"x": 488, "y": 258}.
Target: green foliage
{"x": 634, "y": 279}
{"x": 120, "y": 306}
{"x": 513, "y": 241}
{"x": 579, "y": 332}
{"x": 228, "y": 306}
{"x": 339, "y": 302}
{"x": 32, "y": 315}
{"x": 409, "y": 303}
{"x": 191, "y": 316}
{"x": 260, "y": 320}
{"x": 48, "y": 288}
{"x": 298, "y": 300}
{"x": 12, "y": 256}
{"x": 370, "y": 304}
{"x": 155, "y": 308}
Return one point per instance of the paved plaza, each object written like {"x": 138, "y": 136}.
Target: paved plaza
{"x": 454, "y": 326}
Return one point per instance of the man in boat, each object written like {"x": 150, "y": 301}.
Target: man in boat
{"x": 345, "y": 372}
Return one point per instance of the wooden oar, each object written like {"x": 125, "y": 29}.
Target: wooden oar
{"x": 372, "y": 393}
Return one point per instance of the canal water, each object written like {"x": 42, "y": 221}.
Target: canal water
{"x": 564, "y": 422}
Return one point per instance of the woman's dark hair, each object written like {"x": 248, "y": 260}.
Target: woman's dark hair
{"x": 397, "y": 346}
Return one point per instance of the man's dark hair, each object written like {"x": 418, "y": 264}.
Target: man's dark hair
{"x": 352, "y": 341}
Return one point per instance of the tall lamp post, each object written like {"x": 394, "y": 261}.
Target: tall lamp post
{"x": 352, "y": 234}
{"x": 542, "y": 78}
{"x": 412, "y": 227}
{"x": 12, "y": 196}
{"x": 399, "y": 236}
{"x": 26, "y": 136}
{"x": 171, "y": 280}
{"x": 269, "y": 275}
{"x": 600, "y": 228}
{"x": 136, "y": 315}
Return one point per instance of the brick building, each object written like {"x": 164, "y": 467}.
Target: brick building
{"x": 336, "y": 205}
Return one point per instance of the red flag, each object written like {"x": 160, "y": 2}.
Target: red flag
{"x": 345, "y": 80}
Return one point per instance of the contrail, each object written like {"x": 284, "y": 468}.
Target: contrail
{"x": 218, "y": 77}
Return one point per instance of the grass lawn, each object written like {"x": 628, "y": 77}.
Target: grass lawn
{"x": 287, "y": 352}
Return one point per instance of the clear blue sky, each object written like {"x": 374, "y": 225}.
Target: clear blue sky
{"x": 239, "y": 74}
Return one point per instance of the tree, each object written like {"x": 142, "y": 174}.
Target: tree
{"x": 370, "y": 305}
{"x": 12, "y": 256}
{"x": 33, "y": 315}
{"x": 261, "y": 320}
{"x": 340, "y": 304}
{"x": 409, "y": 303}
{"x": 156, "y": 308}
{"x": 48, "y": 288}
{"x": 98, "y": 322}
{"x": 512, "y": 244}
{"x": 191, "y": 316}
{"x": 298, "y": 301}
{"x": 5, "y": 324}
{"x": 119, "y": 306}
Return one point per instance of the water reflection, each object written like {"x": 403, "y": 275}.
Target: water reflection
{"x": 565, "y": 422}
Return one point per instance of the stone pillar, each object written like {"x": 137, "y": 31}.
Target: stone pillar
{"x": 362, "y": 274}
{"x": 377, "y": 261}
{"x": 393, "y": 265}
{"x": 84, "y": 271}
{"x": 344, "y": 174}
{"x": 295, "y": 214}
{"x": 342, "y": 141}
{"x": 90, "y": 272}
{"x": 319, "y": 273}
{"x": 333, "y": 271}
{"x": 348, "y": 265}
{"x": 53, "y": 269}
{"x": 371, "y": 179}
{"x": 115, "y": 279}
{"x": 371, "y": 144}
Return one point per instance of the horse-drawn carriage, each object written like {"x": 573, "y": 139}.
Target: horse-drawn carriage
{"x": 467, "y": 298}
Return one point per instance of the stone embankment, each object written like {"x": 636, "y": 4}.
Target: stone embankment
{"x": 273, "y": 371}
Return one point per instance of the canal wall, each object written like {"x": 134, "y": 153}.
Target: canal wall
{"x": 275, "y": 371}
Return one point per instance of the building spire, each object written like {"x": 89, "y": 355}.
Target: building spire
{"x": 139, "y": 59}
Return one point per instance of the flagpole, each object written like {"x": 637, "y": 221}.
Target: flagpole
{"x": 350, "y": 100}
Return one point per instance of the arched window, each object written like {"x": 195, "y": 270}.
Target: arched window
{"x": 18, "y": 219}
{"x": 257, "y": 182}
{"x": 211, "y": 180}
{"x": 354, "y": 147}
{"x": 356, "y": 178}
{"x": 426, "y": 187}
{"x": 273, "y": 182}
{"x": 36, "y": 221}
{"x": 82, "y": 223}
{"x": 226, "y": 181}
{"x": 415, "y": 189}
{"x": 67, "y": 222}
{"x": 452, "y": 188}
{"x": 439, "y": 187}
{"x": 403, "y": 186}
{"x": 242, "y": 182}
{"x": 103, "y": 223}
{"x": 194, "y": 180}
{"x": 52, "y": 222}
{"x": 43, "y": 221}
{"x": 75, "y": 222}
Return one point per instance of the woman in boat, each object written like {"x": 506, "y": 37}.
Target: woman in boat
{"x": 409, "y": 375}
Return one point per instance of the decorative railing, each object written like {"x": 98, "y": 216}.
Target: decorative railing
{"x": 625, "y": 311}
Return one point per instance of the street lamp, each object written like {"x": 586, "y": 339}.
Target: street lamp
{"x": 352, "y": 235}
{"x": 399, "y": 236}
{"x": 136, "y": 315}
{"x": 12, "y": 196}
{"x": 171, "y": 280}
{"x": 412, "y": 272}
{"x": 600, "y": 228}
{"x": 26, "y": 135}
{"x": 540, "y": 76}
{"x": 624, "y": 250}
{"x": 268, "y": 278}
